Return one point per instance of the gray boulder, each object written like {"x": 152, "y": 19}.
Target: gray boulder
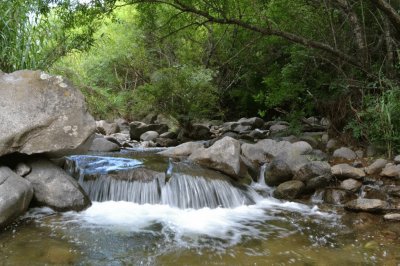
{"x": 345, "y": 153}
{"x": 224, "y": 156}
{"x": 15, "y": 195}
{"x": 22, "y": 169}
{"x": 275, "y": 129}
{"x": 138, "y": 128}
{"x": 42, "y": 114}
{"x": 376, "y": 167}
{"x": 54, "y": 188}
{"x": 264, "y": 150}
{"x": 184, "y": 149}
{"x": 149, "y": 136}
{"x": 351, "y": 185}
{"x": 103, "y": 145}
{"x": 344, "y": 171}
{"x": 311, "y": 170}
{"x": 107, "y": 128}
{"x": 367, "y": 205}
{"x": 391, "y": 170}
{"x": 337, "y": 196}
{"x": 289, "y": 190}
{"x": 394, "y": 217}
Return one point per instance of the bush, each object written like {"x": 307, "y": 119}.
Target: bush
{"x": 184, "y": 92}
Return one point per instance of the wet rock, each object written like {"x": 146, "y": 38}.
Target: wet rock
{"x": 311, "y": 170}
{"x": 149, "y": 136}
{"x": 106, "y": 128}
{"x": 391, "y": 170}
{"x": 395, "y": 217}
{"x": 15, "y": 195}
{"x": 344, "y": 153}
{"x": 376, "y": 167}
{"x": 367, "y": 205}
{"x": 344, "y": 171}
{"x": 337, "y": 196}
{"x": 223, "y": 155}
{"x": 138, "y": 128}
{"x": 289, "y": 190}
{"x": 351, "y": 185}
{"x": 283, "y": 166}
{"x": 184, "y": 149}
{"x": 54, "y": 188}
{"x": 103, "y": 145}
{"x": 22, "y": 169}
{"x": 42, "y": 114}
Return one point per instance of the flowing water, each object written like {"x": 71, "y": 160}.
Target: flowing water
{"x": 176, "y": 213}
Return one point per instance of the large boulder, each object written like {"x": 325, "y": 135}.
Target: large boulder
{"x": 103, "y": 145}
{"x": 266, "y": 149}
{"x": 15, "y": 195}
{"x": 54, "y": 188}
{"x": 149, "y": 136}
{"x": 185, "y": 149}
{"x": 40, "y": 113}
{"x": 224, "y": 156}
{"x": 315, "y": 174}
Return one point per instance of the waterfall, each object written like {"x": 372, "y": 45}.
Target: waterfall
{"x": 183, "y": 186}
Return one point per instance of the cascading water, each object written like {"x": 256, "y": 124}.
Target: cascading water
{"x": 128, "y": 181}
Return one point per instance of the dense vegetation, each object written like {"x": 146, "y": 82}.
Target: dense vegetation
{"x": 220, "y": 59}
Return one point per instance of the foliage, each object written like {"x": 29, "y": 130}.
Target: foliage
{"x": 184, "y": 92}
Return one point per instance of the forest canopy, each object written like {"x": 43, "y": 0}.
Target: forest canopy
{"x": 219, "y": 59}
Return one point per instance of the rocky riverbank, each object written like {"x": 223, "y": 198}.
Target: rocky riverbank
{"x": 43, "y": 118}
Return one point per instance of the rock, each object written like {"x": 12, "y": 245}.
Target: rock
{"x": 344, "y": 153}
{"x": 22, "y": 169}
{"x": 367, "y": 205}
{"x": 42, "y": 114}
{"x": 275, "y": 129}
{"x": 395, "y": 217}
{"x": 391, "y": 170}
{"x": 302, "y": 147}
{"x": 258, "y": 134}
{"x": 351, "y": 185}
{"x": 317, "y": 155}
{"x": 318, "y": 182}
{"x": 289, "y": 190}
{"x": 242, "y": 129}
{"x": 198, "y": 132}
{"x": 393, "y": 190}
{"x": 123, "y": 125}
{"x": 54, "y": 188}
{"x": 325, "y": 122}
{"x": 106, "y": 128}
{"x": 397, "y": 159}
{"x": 168, "y": 135}
{"x": 164, "y": 142}
{"x": 15, "y": 195}
{"x": 103, "y": 145}
{"x": 223, "y": 155}
{"x": 331, "y": 144}
{"x": 254, "y": 122}
{"x": 344, "y": 171}
{"x": 121, "y": 138}
{"x": 311, "y": 170}
{"x": 376, "y": 167}
{"x": 337, "y": 196}
{"x": 371, "y": 150}
{"x": 149, "y": 136}
{"x": 311, "y": 140}
{"x": 373, "y": 192}
{"x": 283, "y": 166}
{"x": 325, "y": 138}
{"x": 359, "y": 153}
{"x": 113, "y": 140}
{"x": 181, "y": 150}
{"x": 138, "y": 128}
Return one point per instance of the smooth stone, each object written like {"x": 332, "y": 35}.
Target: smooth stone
{"x": 22, "y": 169}
{"x": 275, "y": 129}
{"x": 184, "y": 149}
{"x": 344, "y": 153}
{"x": 346, "y": 171}
{"x": 376, "y": 167}
{"x": 289, "y": 190}
{"x": 392, "y": 217}
{"x": 391, "y": 170}
{"x": 351, "y": 185}
{"x": 103, "y": 145}
{"x": 149, "y": 136}
{"x": 367, "y": 205}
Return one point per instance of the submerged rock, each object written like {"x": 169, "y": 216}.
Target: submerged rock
{"x": 54, "y": 188}
{"x": 42, "y": 114}
{"x": 15, "y": 195}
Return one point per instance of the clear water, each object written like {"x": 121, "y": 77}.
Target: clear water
{"x": 266, "y": 232}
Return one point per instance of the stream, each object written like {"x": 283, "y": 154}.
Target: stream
{"x": 188, "y": 215}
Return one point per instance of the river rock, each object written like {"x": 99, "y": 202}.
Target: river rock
{"x": 223, "y": 155}
{"x": 344, "y": 153}
{"x": 103, "y": 145}
{"x": 275, "y": 129}
{"x": 184, "y": 149}
{"x": 258, "y": 134}
{"x": 331, "y": 144}
{"x": 397, "y": 159}
{"x": 392, "y": 217}
{"x": 311, "y": 170}
{"x": 138, "y": 128}
{"x": 393, "y": 190}
{"x": 391, "y": 170}
{"x": 123, "y": 125}
{"x": 22, "y": 169}
{"x": 337, "y": 196}
{"x": 107, "y": 128}
{"x": 42, "y": 114}
{"x": 253, "y": 122}
{"x": 289, "y": 190}
{"x": 264, "y": 150}
{"x": 149, "y": 136}
{"x": 283, "y": 166}
{"x": 301, "y": 147}
{"x": 367, "y": 205}
{"x": 168, "y": 135}
{"x": 344, "y": 171}
{"x": 376, "y": 167}
{"x": 54, "y": 188}
{"x": 351, "y": 185}
{"x": 15, "y": 195}
{"x": 198, "y": 132}
{"x": 164, "y": 142}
